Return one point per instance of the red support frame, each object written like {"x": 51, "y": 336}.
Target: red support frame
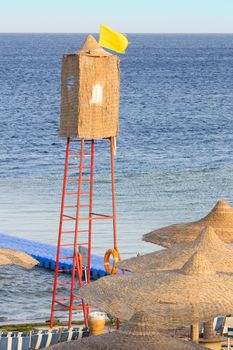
{"x": 77, "y": 270}
{"x": 90, "y": 211}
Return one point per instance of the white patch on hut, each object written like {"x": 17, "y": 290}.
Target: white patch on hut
{"x": 97, "y": 95}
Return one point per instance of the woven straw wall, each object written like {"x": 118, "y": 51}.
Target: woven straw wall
{"x": 89, "y": 108}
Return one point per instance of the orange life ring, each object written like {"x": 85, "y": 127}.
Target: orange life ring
{"x": 116, "y": 257}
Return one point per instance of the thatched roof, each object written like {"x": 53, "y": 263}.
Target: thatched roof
{"x": 220, "y": 218}
{"x": 196, "y": 287}
{"x": 91, "y": 47}
{"x": 139, "y": 332}
{"x": 219, "y": 254}
{"x": 16, "y": 257}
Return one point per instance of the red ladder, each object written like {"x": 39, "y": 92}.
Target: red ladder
{"x": 77, "y": 214}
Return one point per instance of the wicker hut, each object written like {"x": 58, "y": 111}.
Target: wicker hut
{"x": 89, "y": 92}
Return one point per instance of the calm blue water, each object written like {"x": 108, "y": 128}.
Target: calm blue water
{"x": 174, "y": 158}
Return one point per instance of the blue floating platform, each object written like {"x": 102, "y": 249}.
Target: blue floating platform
{"x": 46, "y": 254}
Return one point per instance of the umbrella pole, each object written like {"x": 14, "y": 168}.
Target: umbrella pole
{"x": 195, "y": 332}
{"x": 208, "y": 330}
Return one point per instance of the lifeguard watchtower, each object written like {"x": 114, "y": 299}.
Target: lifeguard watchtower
{"x": 89, "y": 111}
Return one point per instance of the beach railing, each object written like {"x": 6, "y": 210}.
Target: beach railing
{"x": 229, "y": 337}
{"x": 38, "y": 339}
{"x": 15, "y": 340}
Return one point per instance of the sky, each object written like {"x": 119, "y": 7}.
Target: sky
{"x": 126, "y": 16}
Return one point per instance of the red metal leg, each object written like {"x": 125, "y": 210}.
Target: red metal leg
{"x": 76, "y": 235}
{"x": 90, "y": 211}
{"x": 113, "y": 194}
{"x": 60, "y": 232}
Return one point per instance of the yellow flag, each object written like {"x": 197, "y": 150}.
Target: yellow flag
{"x": 112, "y": 40}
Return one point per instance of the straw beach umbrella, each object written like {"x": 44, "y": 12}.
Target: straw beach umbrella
{"x": 220, "y": 218}
{"x": 196, "y": 287}
{"x": 219, "y": 254}
{"x": 16, "y": 257}
{"x": 140, "y": 332}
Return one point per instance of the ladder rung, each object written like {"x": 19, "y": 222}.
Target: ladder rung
{"x": 69, "y": 179}
{"x": 70, "y": 206}
{"x": 67, "y": 232}
{"x": 69, "y": 217}
{"x": 66, "y": 257}
{"x": 72, "y": 244}
{"x": 103, "y": 215}
{"x": 65, "y": 283}
{"x": 69, "y": 270}
{"x": 89, "y": 219}
{"x": 63, "y": 299}
{"x": 93, "y": 219}
{"x": 79, "y": 153}
{"x": 78, "y": 167}
{"x": 75, "y": 206}
{"x": 77, "y": 180}
{"x": 63, "y": 305}
{"x": 79, "y": 231}
{"x": 77, "y": 192}
{"x": 78, "y": 307}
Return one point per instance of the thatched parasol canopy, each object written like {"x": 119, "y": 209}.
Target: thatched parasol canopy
{"x": 220, "y": 218}
{"x": 196, "y": 286}
{"x": 139, "y": 332}
{"x": 16, "y": 257}
{"x": 219, "y": 254}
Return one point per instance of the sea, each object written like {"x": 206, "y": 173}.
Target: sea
{"x": 174, "y": 155}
